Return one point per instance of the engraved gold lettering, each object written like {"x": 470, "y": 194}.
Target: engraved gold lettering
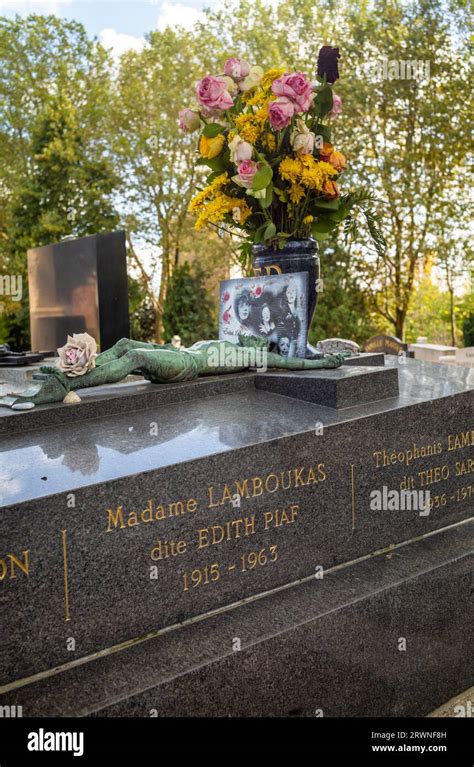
{"x": 24, "y": 566}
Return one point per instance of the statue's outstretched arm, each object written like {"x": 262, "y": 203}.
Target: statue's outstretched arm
{"x": 298, "y": 363}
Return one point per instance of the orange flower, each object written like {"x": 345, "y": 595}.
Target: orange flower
{"x": 326, "y": 151}
{"x": 330, "y": 189}
{"x": 337, "y": 160}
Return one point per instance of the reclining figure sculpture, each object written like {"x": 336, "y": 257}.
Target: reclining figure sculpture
{"x": 161, "y": 364}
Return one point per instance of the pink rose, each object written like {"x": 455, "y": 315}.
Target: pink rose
{"x": 212, "y": 94}
{"x": 236, "y": 68}
{"x": 336, "y": 105}
{"x": 296, "y": 87}
{"x": 226, "y": 297}
{"x": 280, "y": 112}
{"x": 189, "y": 120}
{"x": 226, "y": 316}
{"x": 78, "y": 355}
{"x": 246, "y": 171}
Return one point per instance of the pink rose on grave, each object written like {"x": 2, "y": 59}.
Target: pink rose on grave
{"x": 236, "y": 68}
{"x": 226, "y": 297}
{"x": 226, "y": 316}
{"x": 189, "y": 120}
{"x": 280, "y": 112}
{"x": 212, "y": 93}
{"x": 336, "y": 105}
{"x": 296, "y": 87}
{"x": 257, "y": 291}
{"x": 246, "y": 171}
{"x": 78, "y": 355}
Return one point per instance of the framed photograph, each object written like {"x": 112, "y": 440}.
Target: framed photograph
{"x": 272, "y": 307}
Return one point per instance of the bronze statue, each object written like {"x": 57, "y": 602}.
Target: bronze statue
{"x": 161, "y": 364}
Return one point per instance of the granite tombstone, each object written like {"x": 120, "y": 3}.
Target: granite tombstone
{"x": 143, "y": 512}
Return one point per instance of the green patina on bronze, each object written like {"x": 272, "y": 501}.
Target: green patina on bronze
{"x": 163, "y": 364}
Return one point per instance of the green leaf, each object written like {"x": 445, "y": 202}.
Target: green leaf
{"x": 268, "y": 199}
{"x": 323, "y": 100}
{"x": 262, "y": 178}
{"x": 320, "y": 237}
{"x": 270, "y": 231}
{"x": 326, "y": 204}
{"x": 212, "y": 129}
{"x": 217, "y": 163}
{"x": 339, "y": 215}
{"x": 324, "y": 131}
{"x": 322, "y": 226}
{"x": 281, "y": 194}
{"x": 258, "y": 236}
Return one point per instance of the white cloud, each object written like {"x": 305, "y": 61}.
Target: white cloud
{"x": 119, "y": 42}
{"x": 177, "y": 14}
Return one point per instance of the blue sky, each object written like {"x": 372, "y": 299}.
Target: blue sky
{"x": 119, "y": 24}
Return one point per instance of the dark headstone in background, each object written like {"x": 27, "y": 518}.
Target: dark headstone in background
{"x": 387, "y": 345}
{"x": 77, "y": 286}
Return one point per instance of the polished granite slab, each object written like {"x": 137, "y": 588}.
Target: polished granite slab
{"x": 327, "y": 645}
{"x": 114, "y": 526}
{"x": 210, "y": 416}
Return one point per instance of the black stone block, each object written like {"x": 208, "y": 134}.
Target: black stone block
{"x": 340, "y": 388}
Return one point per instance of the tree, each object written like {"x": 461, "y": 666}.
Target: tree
{"x": 56, "y": 176}
{"x": 342, "y": 308}
{"x": 407, "y": 138}
{"x": 156, "y": 160}
{"x": 188, "y": 310}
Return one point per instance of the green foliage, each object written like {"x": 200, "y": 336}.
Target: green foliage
{"x": 429, "y": 315}
{"x": 188, "y": 310}
{"x": 56, "y": 178}
{"x": 142, "y": 312}
{"x": 70, "y": 124}
{"x": 342, "y": 309}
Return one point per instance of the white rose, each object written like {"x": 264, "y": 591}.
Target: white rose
{"x": 302, "y": 139}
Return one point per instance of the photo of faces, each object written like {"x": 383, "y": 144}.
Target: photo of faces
{"x": 272, "y": 307}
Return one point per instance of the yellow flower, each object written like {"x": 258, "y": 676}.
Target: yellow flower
{"x": 241, "y": 211}
{"x": 211, "y": 147}
{"x": 307, "y": 160}
{"x": 255, "y": 99}
{"x": 316, "y": 176}
{"x": 271, "y": 75}
{"x": 262, "y": 114}
{"x": 216, "y": 210}
{"x": 218, "y": 182}
{"x": 270, "y": 142}
{"x": 248, "y": 127}
{"x": 290, "y": 169}
{"x": 296, "y": 193}
{"x": 198, "y": 201}
{"x": 308, "y": 219}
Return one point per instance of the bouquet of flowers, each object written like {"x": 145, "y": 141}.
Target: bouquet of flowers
{"x": 266, "y": 138}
